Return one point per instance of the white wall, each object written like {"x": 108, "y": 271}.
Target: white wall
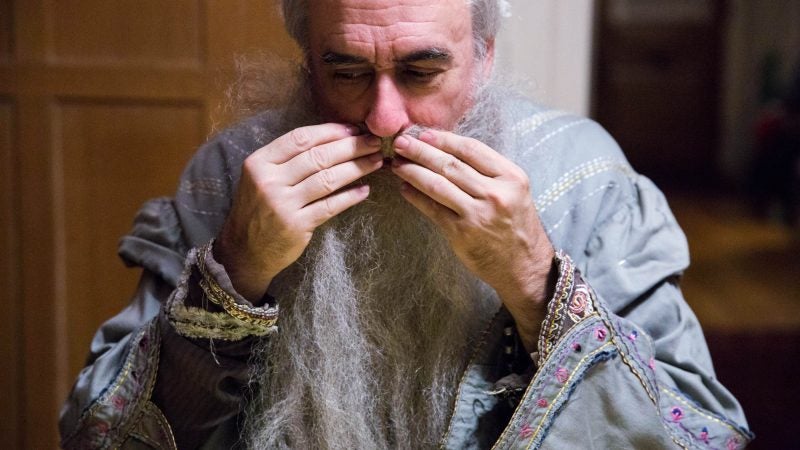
{"x": 549, "y": 44}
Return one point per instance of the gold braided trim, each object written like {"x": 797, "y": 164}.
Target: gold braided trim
{"x": 202, "y": 324}
{"x": 261, "y": 317}
{"x": 552, "y": 324}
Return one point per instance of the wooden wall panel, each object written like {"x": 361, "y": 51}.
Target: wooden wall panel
{"x": 130, "y": 32}
{"x": 114, "y": 157}
{"x": 6, "y": 25}
{"x": 45, "y": 378}
{"x": 102, "y": 102}
{"x": 11, "y": 328}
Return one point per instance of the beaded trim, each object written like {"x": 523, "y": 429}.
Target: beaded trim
{"x": 260, "y": 317}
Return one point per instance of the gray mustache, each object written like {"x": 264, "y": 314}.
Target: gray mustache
{"x": 387, "y": 142}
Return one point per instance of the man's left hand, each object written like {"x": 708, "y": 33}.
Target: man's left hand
{"x": 482, "y": 202}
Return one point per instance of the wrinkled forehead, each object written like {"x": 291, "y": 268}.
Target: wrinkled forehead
{"x": 362, "y": 8}
{"x": 351, "y": 23}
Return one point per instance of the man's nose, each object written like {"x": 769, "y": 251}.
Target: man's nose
{"x": 387, "y": 114}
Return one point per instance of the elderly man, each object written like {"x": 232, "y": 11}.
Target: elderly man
{"x": 374, "y": 265}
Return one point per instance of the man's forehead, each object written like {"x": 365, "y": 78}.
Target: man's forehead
{"x": 382, "y": 4}
{"x": 408, "y": 26}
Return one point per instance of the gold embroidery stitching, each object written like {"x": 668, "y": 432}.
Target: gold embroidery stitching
{"x": 199, "y": 323}
{"x": 552, "y": 321}
{"x": 263, "y": 317}
{"x": 151, "y": 333}
{"x": 697, "y": 411}
{"x": 563, "y": 389}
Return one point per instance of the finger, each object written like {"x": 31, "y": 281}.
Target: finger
{"x": 328, "y": 181}
{"x": 449, "y": 166}
{"x": 473, "y": 152}
{"x": 435, "y": 186}
{"x": 324, "y": 209}
{"x": 326, "y": 156}
{"x": 301, "y": 139}
{"x": 440, "y": 215}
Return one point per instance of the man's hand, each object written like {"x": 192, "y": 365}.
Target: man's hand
{"x": 287, "y": 189}
{"x": 482, "y": 202}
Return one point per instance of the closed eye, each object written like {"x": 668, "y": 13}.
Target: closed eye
{"x": 352, "y": 76}
{"x": 421, "y": 76}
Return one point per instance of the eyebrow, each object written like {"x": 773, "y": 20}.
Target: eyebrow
{"x": 429, "y": 54}
{"x": 336, "y": 59}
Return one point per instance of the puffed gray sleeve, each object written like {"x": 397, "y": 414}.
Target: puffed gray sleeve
{"x": 635, "y": 259}
{"x": 618, "y": 228}
{"x": 172, "y": 366}
{"x": 100, "y": 383}
{"x": 151, "y": 378}
{"x": 123, "y": 359}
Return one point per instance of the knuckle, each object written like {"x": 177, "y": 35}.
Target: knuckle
{"x": 300, "y": 137}
{"x": 438, "y": 187}
{"x": 472, "y": 145}
{"x": 328, "y": 207}
{"x": 498, "y": 199}
{"x": 449, "y": 165}
{"x": 319, "y": 159}
{"x": 525, "y": 184}
{"x": 520, "y": 179}
{"x": 493, "y": 196}
{"x": 328, "y": 180}
{"x": 417, "y": 150}
{"x": 249, "y": 166}
{"x": 264, "y": 182}
{"x": 519, "y": 175}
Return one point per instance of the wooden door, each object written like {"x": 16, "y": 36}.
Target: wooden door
{"x": 656, "y": 90}
{"x": 101, "y": 104}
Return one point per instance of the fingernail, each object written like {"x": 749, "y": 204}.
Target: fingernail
{"x": 426, "y": 136}
{"x": 375, "y": 157}
{"x": 362, "y": 190}
{"x": 353, "y": 130}
{"x": 401, "y": 142}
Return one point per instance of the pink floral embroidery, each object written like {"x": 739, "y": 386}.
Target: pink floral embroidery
{"x": 576, "y": 347}
{"x": 118, "y": 402}
{"x": 652, "y": 363}
{"x": 542, "y": 403}
{"x": 526, "y": 431}
{"x": 704, "y": 435}
{"x": 732, "y": 444}
{"x": 600, "y": 333}
{"x": 100, "y": 429}
{"x": 634, "y": 334}
{"x": 578, "y": 304}
{"x": 562, "y": 375}
{"x": 677, "y": 414}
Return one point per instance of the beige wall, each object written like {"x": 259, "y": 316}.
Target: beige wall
{"x": 548, "y": 43}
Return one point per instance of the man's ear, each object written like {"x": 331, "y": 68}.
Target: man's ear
{"x": 488, "y": 61}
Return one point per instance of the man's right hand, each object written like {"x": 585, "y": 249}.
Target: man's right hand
{"x": 288, "y": 188}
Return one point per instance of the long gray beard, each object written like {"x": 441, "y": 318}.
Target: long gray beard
{"x": 377, "y": 321}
